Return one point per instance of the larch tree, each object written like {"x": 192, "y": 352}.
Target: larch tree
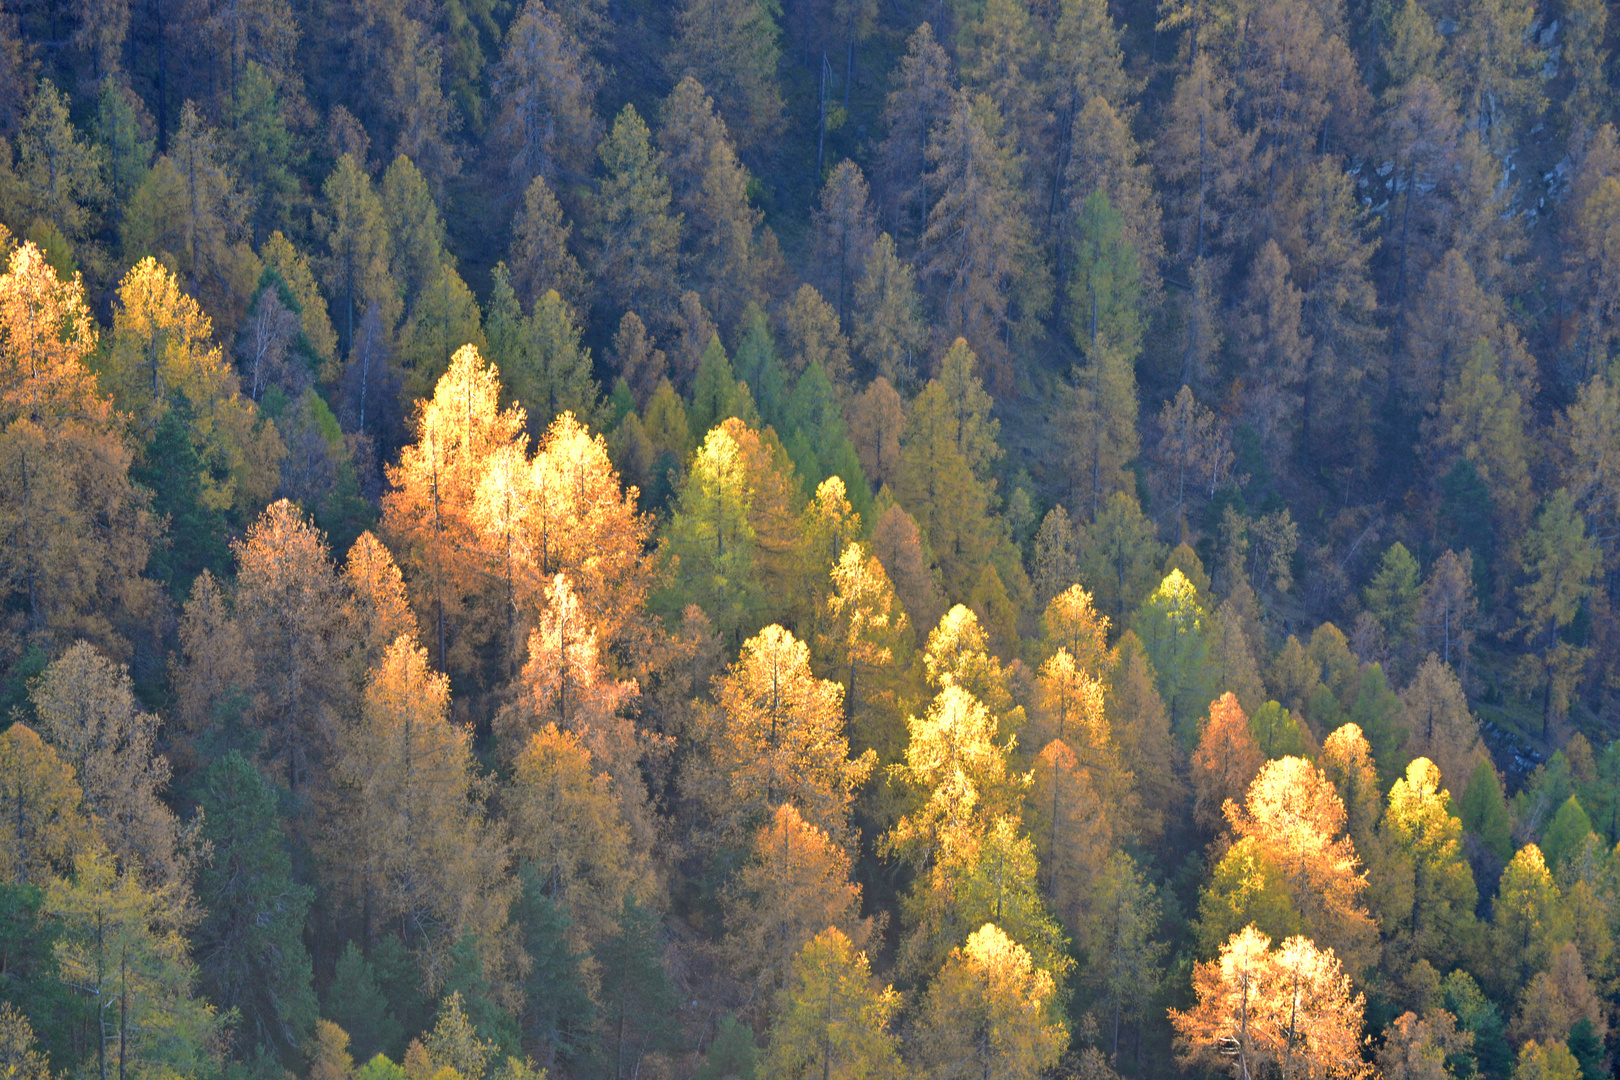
{"x": 1559, "y": 562}
{"x": 427, "y": 514}
{"x": 922, "y": 96}
{"x": 813, "y": 336}
{"x": 845, "y": 230}
{"x": 289, "y": 605}
{"x": 162, "y": 353}
{"x": 575, "y": 517}
{"x": 711, "y": 534}
{"x": 1202, "y": 153}
{"x": 57, "y": 167}
{"x": 1104, "y": 275}
{"x": 1440, "y": 725}
{"x": 567, "y": 827}
{"x": 945, "y": 453}
{"x": 795, "y": 886}
{"x": 832, "y": 1019}
{"x": 1069, "y": 709}
{"x": 423, "y": 860}
{"x": 1448, "y": 610}
{"x": 1291, "y": 1010}
{"x": 1174, "y": 629}
{"x": 876, "y": 418}
{"x": 86, "y": 708}
{"x": 998, "y": 51}
{"x": 979, "y": 257}
{"x": 44, "y": 827}
{"x": 1073, "y": 830}
{"x": 416, "y": 231}
{"x": 548, "y": 371}
{"x": 1231, "y": 657}
{"x": 1347, "y": 761}
{"x": 377, "y": 609}
{"x": 546, "y": 87}
{"x": 445, "y": 319}
{"x": 989, "y": 1013}
{"x": 1225, "y": 762}
{"x": 191, "y": 211}
{"x": 1072, "y": 623}
{"x": 636, "y": 236}
{"x": 1268, "y": 336}
{"x": 1528, "y": 920}
{"x": 777, "y": 735}
{"x": 122, "y": 946}
{"x": 1421, "y": 832}
{"x": 1099, "y": 427}
{"x": 709, "y": 188}
{"x": 1417, "y": 1049}
{"x": 1120, "y": 557}
{"x": 1142, "y": 729}
{"x": 636, "y": 358}
{"x": 1104, "y": 159}
{"x": 540, "y": 254}
{"x": 899, "y": 546}
{"x": 356, "y": 267}
{"x": 1120, "y": 939}
{"x": 1338, "y": 307}
{"x": 731, "y": 48}
{"x": 958, "y": 653}
{"x": 888, "y": 329}
{"x": 1294, "y": 817}
{"x": 868, "y": 637}
{"x": 564, "y": 682}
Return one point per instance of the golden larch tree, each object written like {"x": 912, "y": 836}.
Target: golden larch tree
{"x": 1226, "y": 760}
{"x": 989, "y": 1013}
{"x": 832, "y": 1020}
{"x": 795, "y": 885}
{"x": 425, "y": 860}
{"x": 44, "y": 827}
{"x": 1289, "y": 1012}
{"x": 777, "y": 735}
{"x": 566, "y": 822}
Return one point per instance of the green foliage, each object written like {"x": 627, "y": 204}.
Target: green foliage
{"x": 1105, "y": 289}
{"x": 30, "y": 977}
{"x": 1587, "y": 1049}
{"x": 1478, "y": 1015}
{"x": 714, "y": 390}
{"x": 1484, "y": 811}
{"x": 732, "y": 1055}
{"x": 357, "y": 1004}
{"x": 1276, "y": 731}
{"x": 1174, "y": 630}
{"x": 549, "y": 372}
{"x": 250, "y": 944}
{"x": 638, "y": 1003}
{"x": 559, "y": 1017}
{"x": 1569, "y": 829}
{"x": 172, "y": 471}
{"x": 1394, "y": 593}
{"x": 467, "y": 981}
{"x": 818, "y": 441}
{"x": 759, "y": 365}
{"x": 1379, "y": 713}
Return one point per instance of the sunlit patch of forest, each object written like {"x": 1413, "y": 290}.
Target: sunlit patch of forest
{"x": 794, "y": 539}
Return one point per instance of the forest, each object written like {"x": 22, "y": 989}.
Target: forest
{"x": 809, "y": 540}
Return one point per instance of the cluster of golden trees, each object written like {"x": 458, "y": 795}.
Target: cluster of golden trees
{"x": 388, "y": 701}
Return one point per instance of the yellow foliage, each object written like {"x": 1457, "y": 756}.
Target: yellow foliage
{"x": 1290, "y": 1009}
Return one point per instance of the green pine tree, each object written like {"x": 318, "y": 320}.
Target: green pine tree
{"x": 249, "y": 946}
{"x": 357, "y": 1004}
